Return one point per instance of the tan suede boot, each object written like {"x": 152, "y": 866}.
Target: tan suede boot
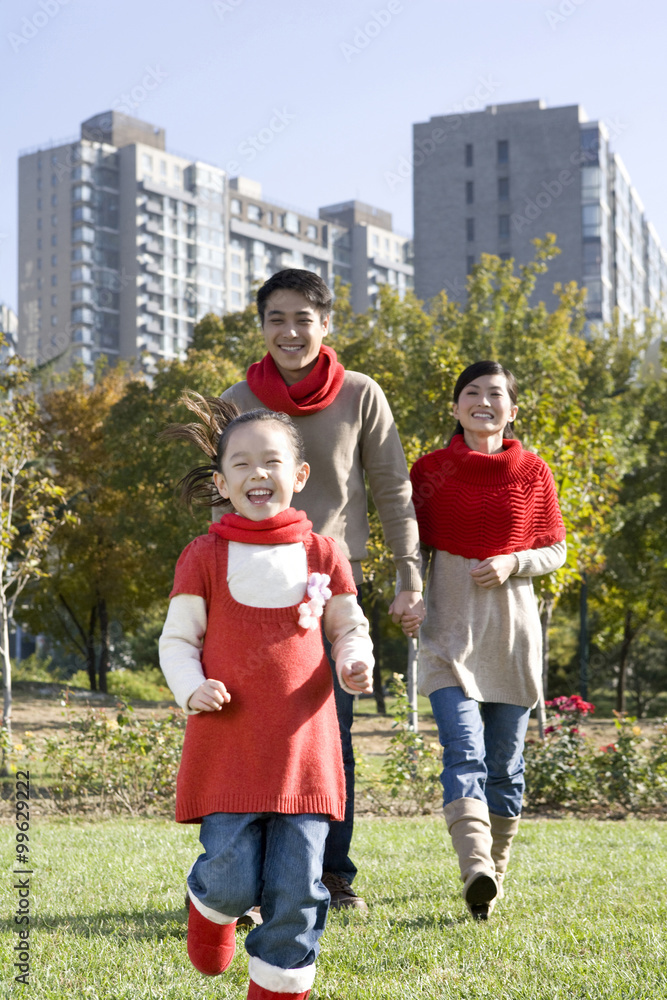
{"x": 469, "y": 827}
{"x": 503, "y": 831}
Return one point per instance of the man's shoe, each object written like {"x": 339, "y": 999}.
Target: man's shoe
{"x": 343, "y": 896}
{"x": 253, "y": 918}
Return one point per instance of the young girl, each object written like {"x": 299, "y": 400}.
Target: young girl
{"x": 242, "y": 652}
{"x": 488, "y": 522}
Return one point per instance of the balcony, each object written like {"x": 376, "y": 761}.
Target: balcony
{"x": 154, "y": 206}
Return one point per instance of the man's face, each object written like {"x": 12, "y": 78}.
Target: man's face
{"x": 293, "y": 333}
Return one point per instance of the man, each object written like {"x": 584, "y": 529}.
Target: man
{"x": 350, "y": 435}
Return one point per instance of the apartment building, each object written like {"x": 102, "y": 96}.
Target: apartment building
{"x": 492, "y": 181}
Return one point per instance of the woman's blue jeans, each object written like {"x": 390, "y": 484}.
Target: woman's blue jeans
{"x": 482, "y": 750}
{"x": 273, "y": 860}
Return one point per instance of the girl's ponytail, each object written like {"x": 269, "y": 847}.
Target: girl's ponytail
{"x": 214, "y": 414}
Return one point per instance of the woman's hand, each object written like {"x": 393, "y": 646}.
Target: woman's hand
{"x": 209, "y": 697}
{"x": 493, "y": 572}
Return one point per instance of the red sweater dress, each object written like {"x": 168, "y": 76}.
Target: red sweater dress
{"x": 275, "y": 747}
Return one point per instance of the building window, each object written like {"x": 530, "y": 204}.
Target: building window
{"x": 39, "y": 222}
{"x": 177, "y": 175}
{"x": 236, "y": 280}
{"x": 503, "y": 151}
{"x": 163, "y": 168}
{"x": 39, "y": 243}
{"x": 470, "y": 263}
{"x": 311, "y": 232}
{"x": 39, "y": 204}
{"x": 39, "y": 183}
{"x": 54, "y": 220}
{"x": 268, "y": 218}
{"x": 54, "y": 321}
{"x": 54, "y": 240}
{"x": 54, "y": 301}
{"x": 470, "y": 230}
{"x": 54, "y": 200}
{"x": 147, "y": 163}
{"x": 254, "y": 213}
{"x": 54, "y": 180}
{"x": 468, "y": 155}
{"x": 291, "y": 222}
{"x": 236, "y": 260}
{"x": 54, "y": 280}
{"x": 54, "y": 260}
{"x": 503, "y": 188}
{"x": 470, "y": 192}
{"x": 235, "y": 206}
{"x": 39, "y": 263}
{"x": 236, "y": 298}
{"x": 504, "y": 227}
{"x": 505, "y": 255}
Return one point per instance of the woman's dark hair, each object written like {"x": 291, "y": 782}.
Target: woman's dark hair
{"x": 217, "y": 420}
{"x": 296, "y": 279}
{"x": 476, "y": 370}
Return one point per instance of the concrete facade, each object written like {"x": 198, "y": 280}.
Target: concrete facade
{"x": 493, "y": 181}
{"x": 124, "y": 246}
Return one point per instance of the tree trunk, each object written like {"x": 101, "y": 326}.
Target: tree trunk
{"x": 7, "y": 683}
{"x": 90, "y": 649}
{"x": 103, "y": 665}
{"x": 378, "y": 692}
{"x": 628, "y": 636}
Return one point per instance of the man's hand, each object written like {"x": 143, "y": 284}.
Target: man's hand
{"x": 493, "y": 572}
{"x": 407, "y": 610}
{"x": 209, "y": 697}
{"x": 357, "y": 676}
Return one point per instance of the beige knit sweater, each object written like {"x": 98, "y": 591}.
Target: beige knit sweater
{"x": 353, "y": 436}
{"x": 488, "y": 642}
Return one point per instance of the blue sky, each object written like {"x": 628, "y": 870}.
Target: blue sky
{"x": 346, "y": 80}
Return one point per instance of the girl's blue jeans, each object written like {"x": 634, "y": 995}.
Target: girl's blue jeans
{"x": 482, "y": 750}
{"x": 272, "y": 860}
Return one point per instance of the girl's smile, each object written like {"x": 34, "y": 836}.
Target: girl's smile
{"x": 260, "y": 472}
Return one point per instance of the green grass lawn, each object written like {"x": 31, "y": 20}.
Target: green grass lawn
{"x": 584, "y": 916}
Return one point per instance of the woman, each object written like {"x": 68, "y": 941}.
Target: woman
{"x": 489, "y": 521}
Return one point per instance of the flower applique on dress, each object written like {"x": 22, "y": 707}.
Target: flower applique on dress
{"x": 319, "y": 593}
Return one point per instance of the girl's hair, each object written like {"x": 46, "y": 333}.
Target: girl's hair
{"x": 217, "y": 420}
{"x": 476, "y": 371}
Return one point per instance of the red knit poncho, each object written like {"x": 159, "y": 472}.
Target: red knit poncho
{"x": 475, "y": 505}
{"x": 275, "y": 747}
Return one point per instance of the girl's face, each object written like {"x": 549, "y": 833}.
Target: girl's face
{"x": 260, "y": 472}
{"x": 484, "y": 405}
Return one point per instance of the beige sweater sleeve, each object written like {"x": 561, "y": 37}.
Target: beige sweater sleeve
{"x": 180, "y": 647}
{"x": 538, "y": 562}
{"x": 346, "y": 629}
{"x": 387, "y": 473}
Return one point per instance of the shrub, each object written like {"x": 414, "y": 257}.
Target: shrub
{"x": 409, "y": 783}
{"x": 113, "y": 765}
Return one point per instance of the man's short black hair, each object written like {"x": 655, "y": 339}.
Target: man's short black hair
{"x": 296, "y": 279}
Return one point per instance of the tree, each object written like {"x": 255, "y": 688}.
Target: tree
{"x": 31, "y": 504}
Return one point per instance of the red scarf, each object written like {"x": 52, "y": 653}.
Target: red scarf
{"x": 283, "y": 529}
{"x": 475, "y": 505}
{"x": 312, "y": 393}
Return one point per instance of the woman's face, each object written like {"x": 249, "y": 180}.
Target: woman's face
{"x": 484, "y": 405}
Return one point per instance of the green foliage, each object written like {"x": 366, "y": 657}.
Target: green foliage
{"x": 130, "y": 685}
{"x": 410, "y": 780}
{"x": 567, "y": 771}
{"x": 121, "y": 765}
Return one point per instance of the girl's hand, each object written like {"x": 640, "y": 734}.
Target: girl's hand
{"x": 209, "y": 697}
{"x": 410, "y": 625}
{"x": 493, "y": 572}
{"x": 358, "y": 677}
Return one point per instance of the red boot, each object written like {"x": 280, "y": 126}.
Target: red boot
{"x": 256, "y": 992}
{"x": 211, "y": 946}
